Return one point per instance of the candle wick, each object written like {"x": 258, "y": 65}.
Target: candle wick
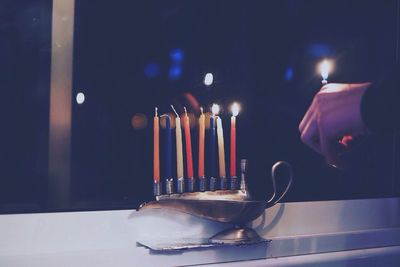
{"x": 185, "y": 111}
{"x": 201, "y": 110}
{"x": 164, "y": 115}
{"x": 156, "y": 109}
{"x": 174, "y": 110}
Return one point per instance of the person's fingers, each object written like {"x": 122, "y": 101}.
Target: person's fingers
{"x": 307, "y": 116}
{"x": 310, "y": 134}
{"x": 331, "y": 149}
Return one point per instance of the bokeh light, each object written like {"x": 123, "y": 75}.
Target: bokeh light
{"x": 215, "y": 109}
{"x": 80, "y": 98}
{"x": 207, "y": 118}
{"x": 208, "y": 79}
{"x": 288, "y": 74}
{"x": 172, "y": 117}
{"x": 174, "y": 72}
{"x": 151, "y": 70}
{"x": 176, "y": 55}
{"x": 318, "y": 50}
{"x": 139, "y": 121}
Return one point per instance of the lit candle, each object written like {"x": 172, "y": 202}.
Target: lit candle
{"x": 221, "y": 149}
{"x": 179, "y": 153}
{"x": 212, "y": 136}
{"x": 156, "y": 149}
{"x": 235, "y": 111}
{"x": 188, "y": 146}
{"x": 202, "y": 121}
{"x": 324, "y": 68}
{"x": 168, "y": 147}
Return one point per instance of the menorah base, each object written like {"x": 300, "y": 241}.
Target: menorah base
{"x": 237, "y": 236}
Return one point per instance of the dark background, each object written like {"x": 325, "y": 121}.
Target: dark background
{"x": 131, "y": 56}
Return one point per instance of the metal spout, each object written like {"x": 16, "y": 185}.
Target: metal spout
{"x": 169, "y": 186}
{"x": 243, "y": 169}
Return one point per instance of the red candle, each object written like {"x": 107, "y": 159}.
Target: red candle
{"x": 188, "y": 146}
{"x": 235, "y": 111}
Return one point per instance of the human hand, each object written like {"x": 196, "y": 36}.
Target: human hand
{"x": 333, "y": 119}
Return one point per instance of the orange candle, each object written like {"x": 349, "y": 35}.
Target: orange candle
{"x": 188, "y": 146}
{"x": 232, "y": 165}
{"x": 156, "y": 149}
{"x": 202, "y": 121}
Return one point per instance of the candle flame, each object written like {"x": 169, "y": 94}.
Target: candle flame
{"x": 235, "y": 108}
{"x": 325, "y": 67}
{"x": 215, "y": 109}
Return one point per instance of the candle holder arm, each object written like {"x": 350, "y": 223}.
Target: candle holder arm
{"x": 274, "y": 198}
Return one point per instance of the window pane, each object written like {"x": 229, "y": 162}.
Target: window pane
{"x": 24, "y": 80}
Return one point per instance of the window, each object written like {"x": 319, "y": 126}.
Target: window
{"x": 130, "y": 57}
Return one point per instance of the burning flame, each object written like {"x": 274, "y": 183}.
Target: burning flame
{"x": 215, "y": 109}
{"x": 235, "y": 109}
{"x": 325, "y": 67}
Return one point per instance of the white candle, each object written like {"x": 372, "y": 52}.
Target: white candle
{"x": 201, "y": 143}
{"x": 179, "y": 152}
{"x": 221, "y": 150}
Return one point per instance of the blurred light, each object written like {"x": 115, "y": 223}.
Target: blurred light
{"x": 192, "y": 120}
{"x": 175, "y": 72}
{"x": 207, "y": 118}
{"x": 317, "y": 50}
{"x": 176, "y": 55}
{"x": 208, "y": 79}
{"x": 215, "y": 109}
{"x": 235, "y": 108}
{"x": 80, "y": 98}
{"x": 288, "y": 74}
{"x": 151, "y": 70}
{"x": 139, "y": 121}
{"x": 172, "y": 120}
{"x": 324, "y": 68}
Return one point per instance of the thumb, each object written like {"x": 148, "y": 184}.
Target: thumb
{"x": 331, "y": 149}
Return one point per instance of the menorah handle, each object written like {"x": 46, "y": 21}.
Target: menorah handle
{"x": 274, "y": 198}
